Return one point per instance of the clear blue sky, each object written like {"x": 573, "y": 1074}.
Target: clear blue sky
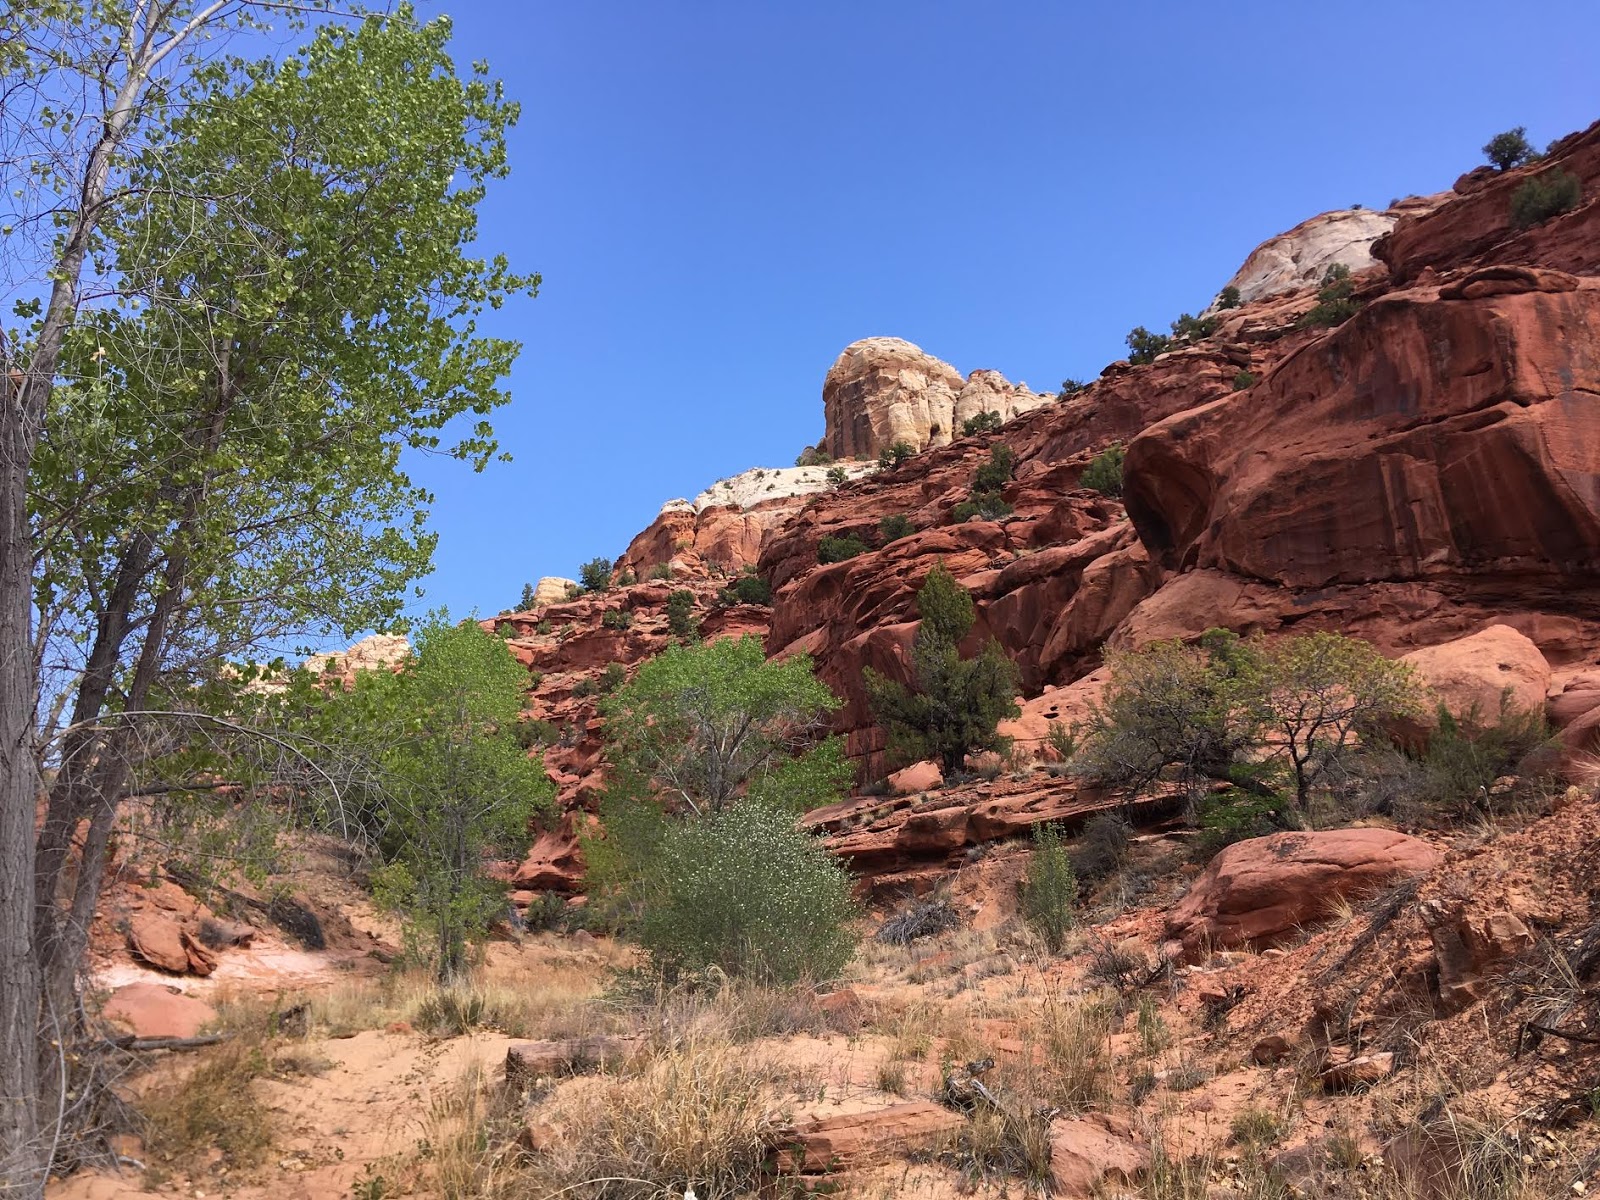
{"x": 721, "y": 194}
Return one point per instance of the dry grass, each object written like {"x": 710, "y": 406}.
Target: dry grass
{"x": 1008, "y": 1140}
{"x": 213, "y": 1108}
{"x": 1067, "y": 1060}
{"x": 700, "y": 1113}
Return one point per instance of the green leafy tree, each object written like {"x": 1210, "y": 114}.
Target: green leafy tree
{"x": 681, "y": 621}
{"x": 1071, "y": 387}
{"x": 214, "y": 472}
{"x": 996, "y": 473}
{"x": 1190, "y": 328}
{"x": 1319, "y": 694}
{"x": 837, "y": 477}
{"x": 708, "y": 722}
{"x": 1510, "y": 149}
{"x": 1143, "y": 346}
{"x": 956, "y": 705}
{"x": 892, "y": 456}
{"x": 530, "y": 599}
{"x": 1548, "y": 194}
{"x": 453, "y": 784}
{"x": 1228, "y": 297}
{"x": 595, "y": 575}
{"x": 749, "y": 588}
{"x": 745, "y": 891}
{"x": 1104, "y": 472}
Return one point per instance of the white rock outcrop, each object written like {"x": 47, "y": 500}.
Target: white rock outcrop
{"x": 1303, "y": 254}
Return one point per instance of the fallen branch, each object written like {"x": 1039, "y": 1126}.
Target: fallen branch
{"x": 132, "y": 1042}
{"x": 1533, "y": 1027}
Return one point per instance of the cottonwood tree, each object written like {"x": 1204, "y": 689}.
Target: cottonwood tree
{"x": 713, "y": 723}
{"x": 955, "y": 705}
{"x": 210, "y": 462}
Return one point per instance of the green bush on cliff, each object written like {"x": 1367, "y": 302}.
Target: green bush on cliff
{"x": 1510, "y": 149}
{"x": 1050, "y": 890}
{"x": 595, "y": 575}
{"x": 1143, "y": 346}
{"x": 1546, "y": 195}
{"x": 1104, "y": 472}
{"x": 984, "y": 422}
{"x": 1336, "y": 303}
{"x": 894, "y": 527}
{"x": 834, "y": 549}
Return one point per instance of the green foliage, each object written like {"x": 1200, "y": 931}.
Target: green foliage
{"x": 1103, "y": 848}
{"x": 1547, "y": 194}
{"x": 1336, "y": 301}
{"x": 529, "y": 601}
{"x": 984, "y": 506}
{"x": 704, "y": 722}
{"x": 1189, "y": 328}
{"x": 1466, "y": 754}
{"x": 1243, "y": 380}
{"x": 681, "y": 621}
{"x": 661, "y": 571}
{"x": 749, "y": 588}
{"x": 837, "y": 477}
{"x": 1071, "y": 387}
{"x": 627, "y": 579}
{"x": 1234, "y": 816}
{"x": 616, "y": 618}
{"x": 543, "y": 627}
{"x": 612, "y": 678}
{"x": 805, "y": 781}
{"x": 1510, "y": 149}
{"x": 619, "y": 861}
{"x": 833, "y": 549}
{"x": 957, "y": 704}
{"x": 1143, "y": 346}
{"x": 984, "y": 422}
{"x": 892, "y": 456}
{"x": 1104, "y": 472}
{"x": 595, "y": 575}
{"x": 450, "y": 782}
{"x": 894, "y": 527}
{"x": 745, "y": 891}
{"x": 1063, "y": 741}
{"x": 533, "y": 733}
{"x": 996, "y": 473}
{"x": 813, "y": 456}
{"x": 1228, "y": 297}
{"x": 1050, "y": 891}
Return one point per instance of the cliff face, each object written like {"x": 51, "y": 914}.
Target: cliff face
{"x": 1425, "y": 471}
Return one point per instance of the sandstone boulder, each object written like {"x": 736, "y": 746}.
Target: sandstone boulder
{"x": 155, "y": 1010}
{"x": 528, "y": 1061}
{"x": 1472, "y": 675}
{"x": 1089, "y": 1153}
{"x": 1260, "y": 891}
{"x": 552, "y": 589}
{"x": 819, "y": 1144}
{"x": 158, "y": 940}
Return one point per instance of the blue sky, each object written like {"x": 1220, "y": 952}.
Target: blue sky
{"x": 721, "y": 195}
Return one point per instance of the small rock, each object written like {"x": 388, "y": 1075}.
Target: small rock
{"x": 1271, "y": 1049}
{"x": 1360, "y": 1072}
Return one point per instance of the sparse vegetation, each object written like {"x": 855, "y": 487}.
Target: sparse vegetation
{"x": 616, "y": 618}
{"x": 956, "y": 704}
{"x": 840, "y": 548}
{"x": 1070, "y": 387}
{"x": 661, "y": 571}
{"x": 1548, "y": 194}
{"x": 681, "y": 621}
{"x": 1510, "y": 149}
{"x": 1336, "y": 301}
{"x": 892, "y": 456}
{"x": 749, "y": 588}
{"x": 1189, "y": 328}
{"x": 1104, "y": 472}
{"x": 837, "y": 477}
{"x": 813, "y": 456}
{"x": 1228, "y": 297}
{"x": 1243, "y": 380}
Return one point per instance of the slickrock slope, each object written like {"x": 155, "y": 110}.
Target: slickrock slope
{"x": 1302, "y": 255}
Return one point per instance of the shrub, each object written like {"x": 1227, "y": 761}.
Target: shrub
{"x": 543, "y": 627}
{"x": 1050, "y": 892}
{"x": 1465, "y": 756}
{"x": 616, "y": 618}
{"x": 893, "y": 456}
{"x": 613, "y": 677}
{"x": 595, "y": 575}
{"x": 984, "y": 422}
{"x": 1063, "y": 741}
{"x": 1228, "y": 297}
{"x": 1071, "y": 387}
{"x": 1335, "y": 299}
{"x": 1143, "y": 346}
{"x": 1103, "y": 848}
{"x": 1244, "y": 379}
{"x": 1189, "y": 328}
{"x": 749, "y": 588}
{"x": 661, "y": 571}
{"x": 985, "y": 506}
{"x": 957, "y": 704}
{"x": 533, "y": 733}
{"x": 893, "y": 528}
{"x": 837, "y": 477}
{"x": 921, "y": 918}
{"x": 681, "y": 620}
{"x": 995, "y": 473}
{"x": 1546, "y": 195}
{"x": 745, "y": 891}
{"x": 528, "y": 598}
{"x": 1104, "y": 472}
{"x": 1509, "y": 149}
{"x": 813, "y": 456}
{"x": 838, "y": 549}
{"x": 627, "y": 579}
